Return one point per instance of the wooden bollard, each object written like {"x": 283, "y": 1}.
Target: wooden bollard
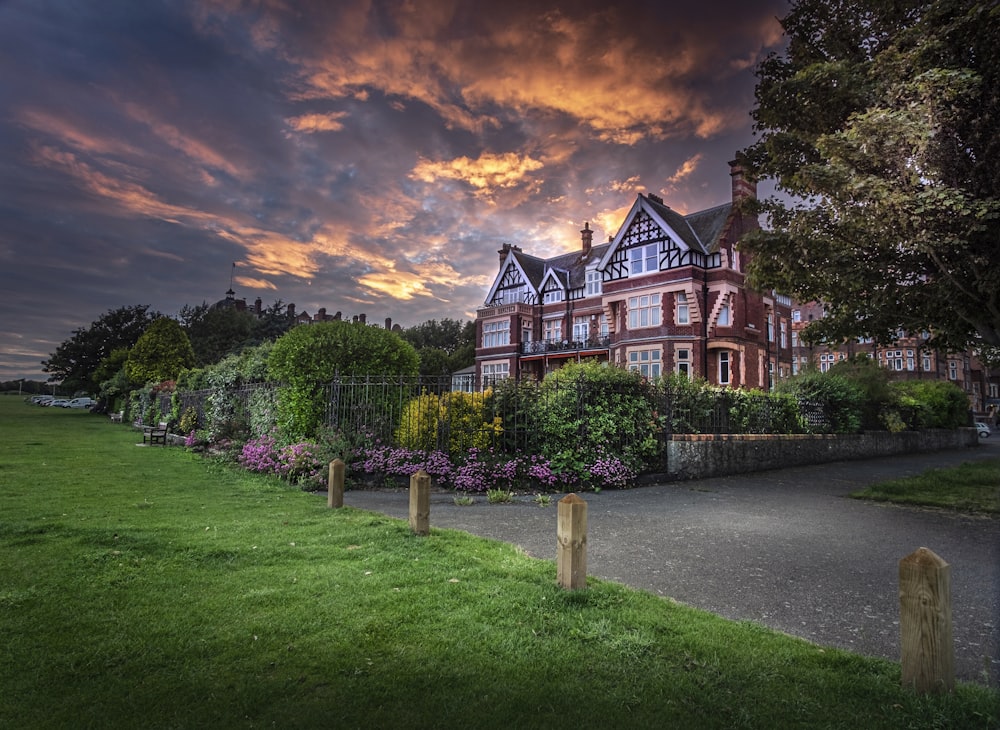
{"x": 928, "y": 651}
{"x": 571, "y": 534}
{"x": 335, "y": 486}
{"x": 420, "y": 503}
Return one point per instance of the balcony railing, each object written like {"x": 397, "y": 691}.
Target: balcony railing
{"x": 545, "y": 346}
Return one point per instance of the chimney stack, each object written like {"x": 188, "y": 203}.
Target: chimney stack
{"x": 362, "y": 318}
{"x": 257, "y": 306}
{"x": 588, "y": 239}
{"x": 388, "y": 323}
{"x": 744, "y": 187}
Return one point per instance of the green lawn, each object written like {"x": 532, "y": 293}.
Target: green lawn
{"x": 973, "y": 487}
{"x": 146, "y": 587}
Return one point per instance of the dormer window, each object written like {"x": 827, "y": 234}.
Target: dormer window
{"x": 553, "y": 295}
{"x": 593, "y": 283}
{"x": 643, "y": 259}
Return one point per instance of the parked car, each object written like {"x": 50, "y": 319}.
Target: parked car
{"x": 983, "y": 430}
{"x": 42, "y": 400}
{"x": 81, "y": 403}
{"x": 60, "y": 402}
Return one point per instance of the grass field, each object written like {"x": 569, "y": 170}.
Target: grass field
{"x": 144, "y": 587}
{"x": 973, "y": 488}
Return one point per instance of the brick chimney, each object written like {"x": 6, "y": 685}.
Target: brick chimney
{"x": 744, "y": 187}
{"x": 505, "y": 250}
{"x": 587, "y": 237}
{"x": 362, "y": 318}
{"x": 257, "y": 303}
{"x": 291, "y": 311}
{"x": 388, "y": 323}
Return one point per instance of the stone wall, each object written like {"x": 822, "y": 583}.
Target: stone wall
{"x": 700, "y": 456}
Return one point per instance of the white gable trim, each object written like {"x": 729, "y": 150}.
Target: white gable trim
{"x": 550, "y": 273}
{"x": 511, "y": 261}
{"x": 641, "y": 204}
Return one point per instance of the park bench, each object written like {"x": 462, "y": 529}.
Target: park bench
{"x": 155, "y": 434}
{"x": 117, "y": 417}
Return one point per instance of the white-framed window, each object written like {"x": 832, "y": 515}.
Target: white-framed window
{"x": 725, "y": 316}
{"x": 796, "y": 315}
{"x": 603, "y": 324}
{"x": 497, "y": 333}
{"x": 645, "y": 362}
{"x": 581, "y": 329}
{"x": 682, "y": 355}
{"x": 724, "y": 374}
{"x": 952, "y": 370}
{"x": 553, "y": 330}
{"x": 512, "y": 295}
{"x": 770, "y": 326}
{"x": 992, "y": 388}
{"x": 525, "y": 330}
{"x": 683, "y": 309}
{"x": 927, "y": 363}
{"x": 795, "y": 338}
{"x": 911, "y": 363}
{"x": 494, "y": 371}
{"x": 593, "y": 283}
{"x": 552, "y": 296}
{"x": 795, "y": 365}
{"x": 783, "y": 326}
{"x": 643, "y": 260}
{"x": 644, "y": 311}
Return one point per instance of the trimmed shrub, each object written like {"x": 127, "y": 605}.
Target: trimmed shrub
{"x": 932, "y": 404}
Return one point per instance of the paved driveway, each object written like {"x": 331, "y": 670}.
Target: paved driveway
{"x": 783, "y": 548}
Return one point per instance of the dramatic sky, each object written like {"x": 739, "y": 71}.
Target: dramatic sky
{"x": 367, "y": 156}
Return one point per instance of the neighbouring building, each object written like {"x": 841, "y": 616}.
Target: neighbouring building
{"x": 907, "y": 358}
{"x": 666, "y": 293}
{"x": 257, "y": 310}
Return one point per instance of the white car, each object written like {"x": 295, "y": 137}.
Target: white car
{"x": 983, "y": 430}
{"x": 58, "y": 402}
{"x": 81, "y": 403}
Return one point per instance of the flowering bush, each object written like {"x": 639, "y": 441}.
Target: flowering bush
{"x": 298, "y": 463}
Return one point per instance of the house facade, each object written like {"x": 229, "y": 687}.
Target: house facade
{"x": 667, "y": 293}
{"x": 907, "y": 358}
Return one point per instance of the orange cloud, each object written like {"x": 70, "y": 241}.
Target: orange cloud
{"x": 308, "y": 123}
{"x": 180, "y": 141}
{"x": 487, "y": 174}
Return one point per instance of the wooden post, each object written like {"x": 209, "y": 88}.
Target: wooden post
{"x": 335, "y": 486}
{"x": 420, "y": 503}
{"x": 928, "y": 652}
{"x": 571, "y": 535}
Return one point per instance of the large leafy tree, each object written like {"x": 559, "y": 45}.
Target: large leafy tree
{"x": 443, "y": 346}
{"x": 160, "y": 354}
{"x": 309, "y": 356}
{"x": 879, "y": 123}
{"x": 75, "y": 361}
{"x": 215, "y": 332}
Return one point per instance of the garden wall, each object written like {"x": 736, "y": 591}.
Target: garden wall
{"x": 695, "y": 456}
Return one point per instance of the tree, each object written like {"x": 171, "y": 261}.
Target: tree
{"x": 160, "y": 354}
{"x": 75, "y": 360}
{"x": 215, "y": 332}
{"x": 309, "y": 356}
{"x": 443, "y": 346}
{"x": 879, "y": 122}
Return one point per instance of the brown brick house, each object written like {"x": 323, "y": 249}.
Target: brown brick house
{"x": 667, "y": 293}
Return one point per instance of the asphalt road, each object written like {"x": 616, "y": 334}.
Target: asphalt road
{"x": 786, "y": 549}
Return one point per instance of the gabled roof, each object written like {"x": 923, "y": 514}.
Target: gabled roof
{"x": 709, "y": 224}
{"x": 699, "y": 231}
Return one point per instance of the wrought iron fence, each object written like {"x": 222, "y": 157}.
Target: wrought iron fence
{"x": 515, "y": 417}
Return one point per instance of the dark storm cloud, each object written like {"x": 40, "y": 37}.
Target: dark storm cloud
{"x": 359, "y": 156}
